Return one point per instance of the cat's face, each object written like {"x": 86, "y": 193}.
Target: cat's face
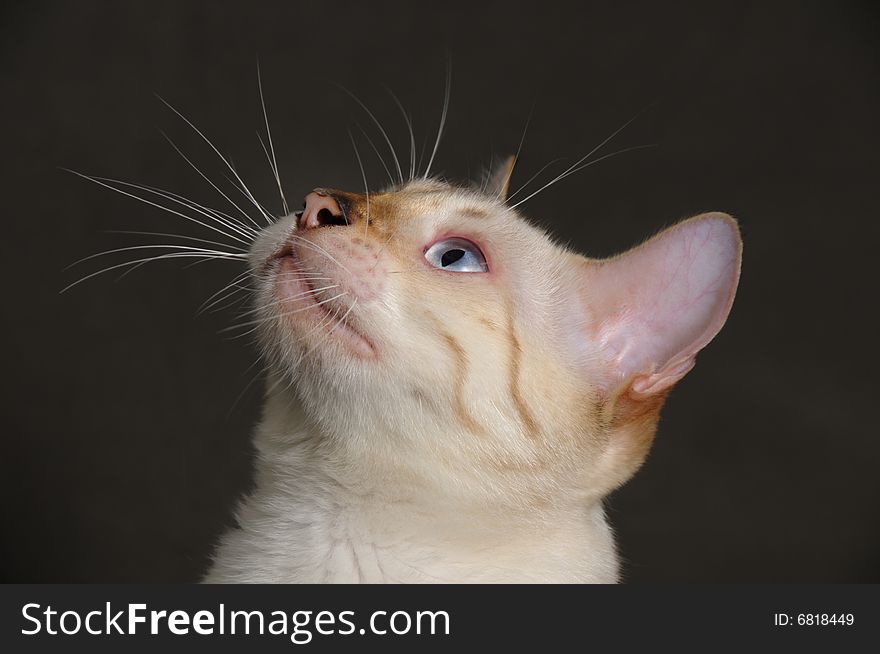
{"x": 432, "y": 328}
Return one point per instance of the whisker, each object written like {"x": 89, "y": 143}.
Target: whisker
{"x": 442, "y": 118}
{"x": 533, "y": 177}
{"x": 311, "y": 291}
{"x": 422, "y": 152}
{"x": 279, "y": 301}
{"x": 335, "y": 317}
{"x": 280, "y": 378}
{"x": 644, "y": 146}
{"x": 522, "y": 140}
{"x": 259, "y": 205}
{"x": 247, "y": 386}
{"x": 571, "y": 171}
{"x": 271, "y": 146}
{"x": 412, "y": 137}
{"x": 580, "y": 161}
{"x": 366, "y": 186}
{"x": 283, "y": 300}
{"x": 257, "y": 308}
{"x": 329, "y": 318}
{"x": 230, "y": 300}
{"x": 378, "y": 154}
{"x": 207, "y": 304}
{"x": 181, "y": 236}
{"x": 281, "y": 315}
{"x": 222, "y": 218}
{"x": 244, "y": 189}
{"x": 172, "y": 255}
{"x": 486, "y": 176}
{"x": 301, "y": 274}
{"x": 152, "y": 246}
{"x": 235, "y": 226}
{"x": 154, "y": 204}
{"x": 340, "y": 321}
{"x": 317, "y": 248}
{"x": 207, "y": 179}
{"x": 381, "y": 130}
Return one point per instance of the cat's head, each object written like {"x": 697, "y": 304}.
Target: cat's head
{"x": 431, "y": 328}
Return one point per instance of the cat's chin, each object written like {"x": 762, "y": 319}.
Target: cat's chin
{"x": 317, "y": 319}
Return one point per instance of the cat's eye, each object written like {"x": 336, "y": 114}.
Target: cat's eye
{"x": 456, "y": 255}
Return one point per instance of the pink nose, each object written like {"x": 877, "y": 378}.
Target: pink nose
{"x": 321, "y": 210}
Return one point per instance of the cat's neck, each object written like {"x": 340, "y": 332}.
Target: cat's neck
{"x": 321, "y": 512}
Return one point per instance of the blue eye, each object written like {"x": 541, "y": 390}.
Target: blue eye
{"x": 456, "y": 255}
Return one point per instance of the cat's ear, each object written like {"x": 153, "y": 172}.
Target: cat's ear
{"x": 498, "y": 178}
{"x": 654, "y": 307}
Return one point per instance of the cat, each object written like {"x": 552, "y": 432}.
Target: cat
{"x": 451, "y": 394}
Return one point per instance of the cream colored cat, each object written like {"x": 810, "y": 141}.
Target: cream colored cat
{"x": 452, "y": 394}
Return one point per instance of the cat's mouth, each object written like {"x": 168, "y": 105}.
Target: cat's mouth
{"x": 314, "y": 306}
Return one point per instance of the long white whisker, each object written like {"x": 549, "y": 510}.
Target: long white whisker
{"x": 199, "y": 259}
{"x": 487, "y": 174}
{"x": 381, "y": 130}
{"x": 269, "y": 159}
{"x": 577, "y": 163}
{"x": 301, "y": 274}
{"x": 281, "y": 378}
{"x": 571, "y": 171}
{"x": 633, "y": 148}
{"x": 209, "y": 212}
{"x": 244, "y": 187}
{"x": 207, "y": 179}
{"x": 341, "y": 320}
{"x": 222, "y": 219}
{"x": 172, "y": 255}
{"x": 317, "y": 248}
{"x": 281, "y": 301}
{"x": 271, "y": 146}
{"x": 366, "y": 186}
{"x": 442, "y": 118}
{"x": 232, "y": 300}
{"x": 335, "y": 317}
{"x": 184, "y": 248}
{"x": 532, "y": 178}
{"x": 412, "y": 136}
{"x": 522, "y": 140}
{"x": 329, "y": 318}
{"x": 247, "y": 386}
{"x": 311, "y": 291}
{"x": 378, "y": 154}
{"x": 228, "y": 299}
{"x": 154, "y": 204}
{"x": 259, "y": 205}
{"x": 236, "y": 287}
{"x": 180, "y": 236}
{"x": 210, "y": 302}
{"x": 422, "y": 153}
{"x": 281, "y": 315}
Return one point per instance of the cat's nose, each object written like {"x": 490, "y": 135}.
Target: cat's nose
{"x": 322, "y": 209}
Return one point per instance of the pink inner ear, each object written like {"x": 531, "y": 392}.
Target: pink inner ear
{"x": 654, "y": 307}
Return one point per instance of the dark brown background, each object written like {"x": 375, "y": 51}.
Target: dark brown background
{"x": 121, "y": 458}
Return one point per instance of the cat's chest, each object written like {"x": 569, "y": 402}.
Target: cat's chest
{"x": 353, "y": 560}
{"x": 318, "y": 532}
{"x": 346, "y": 547}
{"x": 313, "y": 542}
